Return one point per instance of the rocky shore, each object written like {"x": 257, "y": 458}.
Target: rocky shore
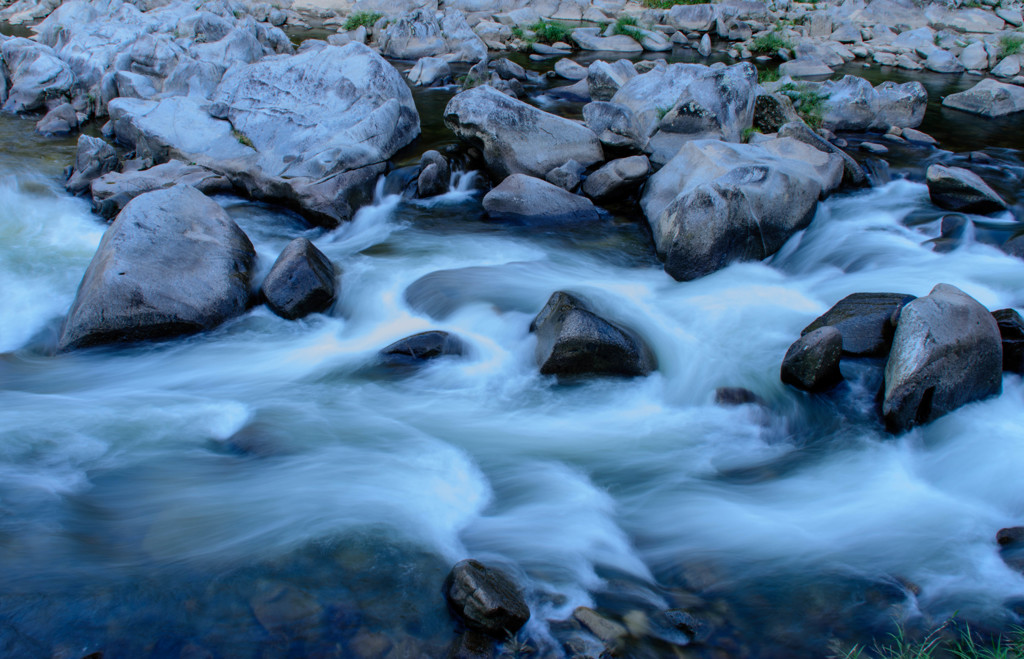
{"x": 722, "y": 161}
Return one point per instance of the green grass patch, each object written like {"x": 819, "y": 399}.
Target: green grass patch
{"x": 769, "y": 44}
{"x": 242, "y": 138}
{"x": 807, "y": 102}
{"x": 1010, "y": 45}
{"x": 551, "y": 31}
{"x": 945, "y": 642}
{"x": 669, "y": 4}
{"x": 768, "y": 75}
{"x": 364, "y": 18}
{"x": 747, "y": 132}
{"x": 627, "y": 25}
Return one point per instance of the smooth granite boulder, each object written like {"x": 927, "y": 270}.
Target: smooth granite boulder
{"x": 301, "y": 281}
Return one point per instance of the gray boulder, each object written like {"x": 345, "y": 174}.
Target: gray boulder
{"x": 567, "y": 176}
{"x": 273, "y": 132}
{"x": 422, "y": 34}
{"x": 36, "y": 74}
{"x": 691, "y": 18}
{"x": 93, "y": 158}
{"x": 420, "y": 348}
{"x": 988, "y": 98}
{"x": 812, "y": 362}
{"x": 866, "y": 321}
{"x": 605, "y": 79}
{"x": 943, "y": 61}
{"x": 615, "y": 125}
{"x": 853, "y": 173}
{"x": 429, "y": 71}
{"x": 435, "y": 175}
{"x": 526, "y": 200}
{"x": 589, "y": 38}
{"x": 61, "y": 120}
{"x": 716, "y": 202}
{"x": 570, "y": 70}
{"x": 573, "y": 341}
{"x": 773, "y": 111}
{"x": 853, "y": 104}
{"x": 517, "y": 138}
{"x": 947, "y": 352}
{"x": 486, "y": 599}
{"x": 300, "y": 282}
{"x": 1011, "y": 330}
{"x": 112, "y": 191}
{"x": 805, "y": 67}
{"x": 959, "y": 189}
{"x": 172, "y": 263}
{"x": 617, "y": 177}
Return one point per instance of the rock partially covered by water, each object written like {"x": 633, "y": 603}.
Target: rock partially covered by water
{"x": 947, "y": 352}
{"x": 526, "y": 200}
{"x": 988, "y": 98}
{"x": 172, "y": 263}
{"x": 93, "y": 158}
{"x": 434, "y": 176}
{"x": 867, "y": 322}
{"x": 1011, "y": 329}
{"x": 36, "y": 74}
{"x": 715, "y": 202}
{"x": 486, "y": 598}
{"x": 574, "y": 341}
{"x": 419, "y": 348}
{"x": 112, "y": 192}
{"x": 273, "y": 131}
{"x": 517, "y": 138}
{"x": 959, "y": 189}
{"x": 853, "y": 104}
{"x": 812, "y": 362}
{"x": 301, "y": 281}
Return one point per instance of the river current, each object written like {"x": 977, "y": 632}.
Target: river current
{"x": 264, "y": 489}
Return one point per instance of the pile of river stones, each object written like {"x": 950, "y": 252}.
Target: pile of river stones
{"x": 202, "y": 100}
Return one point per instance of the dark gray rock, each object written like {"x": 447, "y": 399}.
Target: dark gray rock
{"x": 527, "y": 200}
{"x": 301, "y": 282}
{"x": 172, "y": 263}
{"x": 61, "y": 120}
{"x": 93, "y": 158}
{"x": 472, "y": 644}
{"x": 112, "y": 192}
{"x": 773, "y": 111}
{"x": 1011, "y": 329}
{"x": 419, "y": 348}
{"x": 958, "y": 189}
{"x": 812, "y": 362}
{"x": 867, "y": 322}
{"x": 853, "y": 173}
{"x": 1012, "y": 535}
{"x": 732, "y": 396}
{"x": 617, "y": 177}
{"x": 567, "y": 176}
{"x": 573, "y": 341}
{"x": 947, "y": 352}
{"x": 508, "y": 70}
{"x": 615, "y": 125}
{"x": 716, "y": 202}
{"x": 517, "y": 138}
{"x": 486, "y": 599}
{"x": 435, "y": 175}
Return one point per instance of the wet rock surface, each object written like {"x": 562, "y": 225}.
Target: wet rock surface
{"x": 866, "y": 321}
{"x": 486, "y": 598}
{"x": 301, "y": 281}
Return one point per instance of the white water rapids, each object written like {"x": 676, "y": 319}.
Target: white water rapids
{"x": 481, "y": 456}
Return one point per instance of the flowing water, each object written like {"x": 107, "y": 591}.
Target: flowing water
{"x": 264, "y": 490}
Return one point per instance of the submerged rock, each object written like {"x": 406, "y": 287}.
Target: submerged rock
{"x": 574, "y": 341}
{"x": 112, "y": 192}
{"x": 420, "y": 348}
{"x": 812, "y": 362}
{"x": 947, "y": 352}
{"x": 172, "y": 263}
{"x": 867, "y": 322}
{"x": 486, "y": 599}
{"x": 527, "y": 200}
{"x": 301, "y": 282}
{"x": 716, "y": 202}
{"x": 959, "y": 189}
{"x": 517, "y": 138}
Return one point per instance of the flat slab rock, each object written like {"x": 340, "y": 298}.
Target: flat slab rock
{"x": 172, "y": 263}
{"x": 959, "y": 189}
{"x": 112, "y": 191}
{"x": 526, "y": 200}
{"x": 866, "y": 321}
{"x": 574, "y": 341}
{"x": 989, "y": 98}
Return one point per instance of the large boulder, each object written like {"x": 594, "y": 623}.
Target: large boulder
{"x": 300, "y": 282}
{"x": 615, "y": 125}
{"x": 716, "y": 202}
{"x": 604, "y": 79}
{"x": 866, "y": 321}
{"x": 517, "y": 138}
{"x": 961, "y": 190}
{"x": 486, "y": 599}
{"x": 112, "y": 192}
{"x": 36, "y": 74}
{"x": 527, "y": 200}
{"x": 691, "y": 18}
{"x": 853, "y": 104}
{"x": 574, "y": 341}
{"x": 812, "y": 362}
{"x": 172, "y": 263}
{"x": 589, "y": 38}
{"x": 988, "y": 98}
{"x": 423, "y": 34}
{"x": 274, "y": 131}
{"x": 853, "y": 173}
{"x": 947, "y": 352}
{"x": 93, "y": 159}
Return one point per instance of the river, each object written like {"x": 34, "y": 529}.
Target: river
{"x": 264, "y": 490}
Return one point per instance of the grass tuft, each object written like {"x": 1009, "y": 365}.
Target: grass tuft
{"x": 808, "y": 103}
{"x": 364, "y": 18}
{"x": 669, "y": 4}
{"x": 627, "y": 25}
{"x": 1010, "y": 45}
{"x": 551, "y": 31}
{"x": 769, "y": 44}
